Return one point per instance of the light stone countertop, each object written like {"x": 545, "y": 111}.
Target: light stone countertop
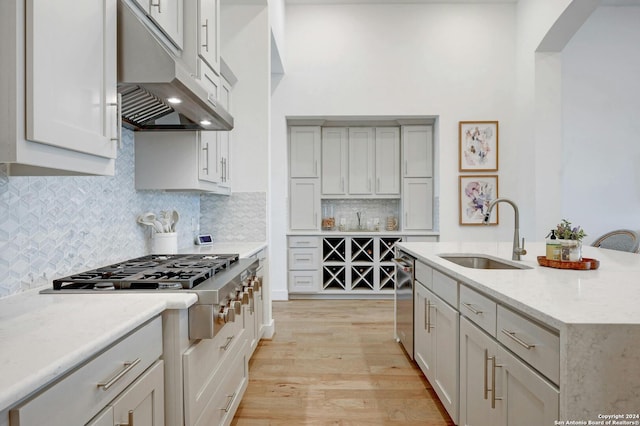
{"x": 43, "y": 336}
{"x": 595, "y": 313}
{"x": 607, "y": 295}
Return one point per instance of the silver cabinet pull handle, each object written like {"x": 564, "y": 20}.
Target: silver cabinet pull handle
{"x": 231, "y": 397}
{"x": 118, "y": 129}
{"x": 206, "y": 34}
{"x": 129, "y": 420}
{"x": 206, "y": 150}
{"x": 512, "y": 335}
{"x": 428, "y": 308}
{"x": 128, "y": 366}
{"x": 494, "y": 398}
{"x": 485, "y": 386}
{"x": 226, "y": 345}
{"x": 470, "y": 307}
{"x": 157, "y": 5}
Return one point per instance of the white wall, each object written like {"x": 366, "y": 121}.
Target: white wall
{"x": 600, "y": 110}
{"x": 453, "y": 61}
{"x": 245, "y": 40}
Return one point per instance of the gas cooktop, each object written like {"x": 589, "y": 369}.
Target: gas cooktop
{"x": 156, "y": 271}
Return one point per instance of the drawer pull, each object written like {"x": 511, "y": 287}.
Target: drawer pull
{"x": 129, "y": 420}
{"x": 486, "y": 375}
{"x": 494, "y": 398}
{"x": 226, "y": 345}
{"x": 470, "y": 307}
{"x": 231, "y": 397}
{"x": 128, "y": 366}
{"x": 518, "y": 340}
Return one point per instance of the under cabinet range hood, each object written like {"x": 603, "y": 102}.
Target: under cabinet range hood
{"x": 158, "y": 92}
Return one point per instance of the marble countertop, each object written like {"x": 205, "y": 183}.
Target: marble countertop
{"x": 45, "y": 335}
{"x": 558, "y": 297}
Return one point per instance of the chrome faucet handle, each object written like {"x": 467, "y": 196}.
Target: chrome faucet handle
{"x": 521, "y": 250}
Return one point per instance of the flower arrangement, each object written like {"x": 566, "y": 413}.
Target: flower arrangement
{"x": 565, "y": 231}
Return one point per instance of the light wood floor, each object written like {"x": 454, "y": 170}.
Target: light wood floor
{"x": 335, "y": 362}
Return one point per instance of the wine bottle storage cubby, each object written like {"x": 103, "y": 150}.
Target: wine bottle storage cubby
{"x": 362, "y": 249}
{"x": 333, "y": 277}
{"x": 387, "y": 277}
{"x": 387, "y": 248}
{"x": 362, "y": 277}
{"x": 334, "y": 250}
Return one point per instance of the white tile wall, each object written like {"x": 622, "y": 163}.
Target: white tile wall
{"x": 54, "y": 226}
{"x": 240, "y": 217}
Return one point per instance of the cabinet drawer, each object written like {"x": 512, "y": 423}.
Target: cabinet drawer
{"x": 533, "y": 343}
{"x": 231, "y": 384}
{"x": 79, "y": 397}
{"x": 304, "y": 281}
{"x": 479, "y": 309}
{"x": 424, "y": 274}
{"x": 304, "y": 241}
{"x": 205, "y": 363}
{"x": 304, "y": 258}
{"x": 445, "y": 287}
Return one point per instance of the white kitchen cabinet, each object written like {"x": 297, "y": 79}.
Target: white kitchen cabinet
{"x": 60, "y": 119}
{"x": 361, "y": 160}
{"x": 417, "y": 204}
{"x": 209, "y": 35}
{"x": 496, "y": 388}
{"x": 335, "y": 156}
{"x": 436, "y": 327}
{"x": 179, "y": 161}
{"x": 304, "y": 264}
{"x": 417, "y": 151}
{"x": 223, "y": 153}
{"x": 387, "y": 159}
{"x": 476, "y": 379}
{"x": 304, "y": 204}
{"x": 127, "y": 372}
{"x": 142, "y": 403}
{"x": 167, "y": 15}
{"x": 304, "y": 151}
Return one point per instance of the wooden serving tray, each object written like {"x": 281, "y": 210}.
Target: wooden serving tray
{"x": 585, "y": 264}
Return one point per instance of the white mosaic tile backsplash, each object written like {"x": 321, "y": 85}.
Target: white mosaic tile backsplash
{"x": 240, "y": 217}
{"x": 54, "y": 226}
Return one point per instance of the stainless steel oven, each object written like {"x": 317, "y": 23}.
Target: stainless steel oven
{"x": 404, "y": 300}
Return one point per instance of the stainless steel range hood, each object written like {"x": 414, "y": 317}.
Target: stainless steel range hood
{"x": 149, "y": 75}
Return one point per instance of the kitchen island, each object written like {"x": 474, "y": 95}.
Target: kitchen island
{"x": 594, "y": 312}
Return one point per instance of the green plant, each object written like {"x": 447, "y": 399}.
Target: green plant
{"x": 564, "y": 231}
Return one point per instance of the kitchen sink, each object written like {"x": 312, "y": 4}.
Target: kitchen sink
{"x": 481, "y": 261}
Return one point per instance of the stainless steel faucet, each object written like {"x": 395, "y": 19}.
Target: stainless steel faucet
{"x": 517, "y": 250}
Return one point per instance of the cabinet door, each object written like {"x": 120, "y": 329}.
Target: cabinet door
{"x": 142, "y": 403}
{"x": 423, "y": 338}
{"x": 71, "y": 97}
{"x": 417, "y": 203}
{"x": 387, "y": 160}
{"x": 167, "y": 14}
{"x": 444, "y": 321}
{"x": 304, "y": 151}
{"x": 224, "y": 139}
{"x": 209, "y": 168}
{"x": 417, "y": 151}
{"x": 527, "y": 398}
{"x": 209, "y": 37}
{"x": 334, "y": 160}
{"x": 475, "y": 384}
{"x": 304, "y": 201}
{"x": 361, "y": 160}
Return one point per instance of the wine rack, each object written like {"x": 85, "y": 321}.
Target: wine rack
{"x": 334, "y": 249}
{"x": 333, "y": 277}
{"x": 362, "y": 277}
{"x": 387, "y": 247}
{"x": 362, "y": 249}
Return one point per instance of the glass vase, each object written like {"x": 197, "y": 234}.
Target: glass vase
{"x": 571, "y": 250}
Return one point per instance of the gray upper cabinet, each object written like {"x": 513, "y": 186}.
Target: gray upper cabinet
{"x": 62, "y": 107}
{"x": 304, "y": 152}
{"x": 334, "y": 160}
{"x": 361, "y": 160}
{"x": 417, "y": 151}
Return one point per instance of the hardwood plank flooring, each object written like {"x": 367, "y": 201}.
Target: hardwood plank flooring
{"x": 336, "y": 362}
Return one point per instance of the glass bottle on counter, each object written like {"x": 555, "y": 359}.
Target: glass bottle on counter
{"x": 328, "y": 218}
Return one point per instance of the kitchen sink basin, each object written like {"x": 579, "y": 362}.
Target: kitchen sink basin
{"x": 481, "y": 261}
